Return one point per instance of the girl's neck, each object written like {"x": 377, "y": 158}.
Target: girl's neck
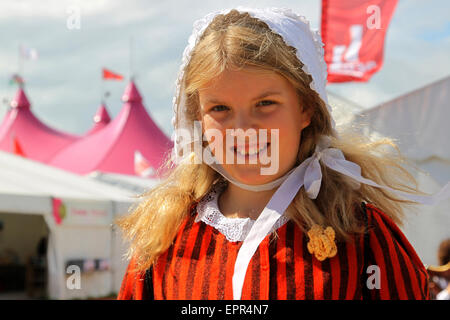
{"x": 235, "y": 202}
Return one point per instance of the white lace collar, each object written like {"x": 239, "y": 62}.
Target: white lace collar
{"x": 234, "y": 229}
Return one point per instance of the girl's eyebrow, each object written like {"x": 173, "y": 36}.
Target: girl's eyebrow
{"x": 263, "y": 95}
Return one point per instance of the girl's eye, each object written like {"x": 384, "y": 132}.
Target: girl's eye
{"x": 266, "y": 103}
{"x": 219, "y": 108}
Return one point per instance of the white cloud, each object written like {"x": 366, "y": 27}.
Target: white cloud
{"x": 52, "y": 8}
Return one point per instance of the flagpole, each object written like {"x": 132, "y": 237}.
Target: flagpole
{"x": 131, "y": 58}
{"x": 101, "y": 86}
{"x": 20, "y": 63}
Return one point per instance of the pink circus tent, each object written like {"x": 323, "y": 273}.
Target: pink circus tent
{"x": 113, "y": 148}
{"x": 37, "y": 141}
{"x": 101, "y": 119}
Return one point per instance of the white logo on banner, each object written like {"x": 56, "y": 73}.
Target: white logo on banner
{"x": 346, "y": 58}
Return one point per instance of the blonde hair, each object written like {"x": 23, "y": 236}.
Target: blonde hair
{"x": 238, "y": 40}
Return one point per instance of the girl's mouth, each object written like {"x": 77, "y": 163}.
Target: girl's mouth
{"x": 250, "y": 151}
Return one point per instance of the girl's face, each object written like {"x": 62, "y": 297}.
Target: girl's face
{"x": 253, "y": 99}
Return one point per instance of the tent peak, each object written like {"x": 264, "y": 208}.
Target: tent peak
{"x": 102, "y": 114}
{"x": 20, "y": 100}
{"x": 131, "y": 93}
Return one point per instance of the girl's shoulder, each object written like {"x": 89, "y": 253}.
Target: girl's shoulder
{"x": 385, "y": 233}
{"x": 133, "y": 283}
{"x": 401, "y": 273}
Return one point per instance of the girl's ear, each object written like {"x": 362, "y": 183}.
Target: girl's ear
{"x": 306, "y": 117}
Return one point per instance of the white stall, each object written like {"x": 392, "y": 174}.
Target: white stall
{"x": 78, "y": 213}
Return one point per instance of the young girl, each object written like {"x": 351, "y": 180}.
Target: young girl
{"x": 320, "y": 223}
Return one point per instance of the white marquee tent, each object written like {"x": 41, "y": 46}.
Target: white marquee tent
{"x": 418, "y": 121}
{"x": 78, "y": 212}
{"x": 135, "y": 184}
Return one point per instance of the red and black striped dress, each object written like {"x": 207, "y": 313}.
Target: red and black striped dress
{"x": 200, "y": 263}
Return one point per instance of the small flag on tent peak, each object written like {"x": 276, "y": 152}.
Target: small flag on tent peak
{"x": 108, "y": 74}
{"x": 141, "y": 165}
{"x": 28, "y": 53}
{"x": 15, "y": 78}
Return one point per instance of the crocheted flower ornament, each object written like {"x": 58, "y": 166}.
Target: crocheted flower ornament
{"x": 321, "y": 242}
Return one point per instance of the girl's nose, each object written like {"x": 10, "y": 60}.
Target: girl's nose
{"x": 243, "y": 121}
{"x": 244, "y": 127}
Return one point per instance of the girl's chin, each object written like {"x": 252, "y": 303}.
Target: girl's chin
{"x": 251, "y": 175}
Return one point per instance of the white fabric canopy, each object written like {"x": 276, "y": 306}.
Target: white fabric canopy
{"x": 419, "y": 119}
{"x": 419, "y": 122}
{"x": 135, "y": 184}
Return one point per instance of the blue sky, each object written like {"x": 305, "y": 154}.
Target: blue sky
{"x": 64, "y": 84}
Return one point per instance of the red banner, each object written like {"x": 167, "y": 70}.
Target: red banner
{"x": 353, "y": 32}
